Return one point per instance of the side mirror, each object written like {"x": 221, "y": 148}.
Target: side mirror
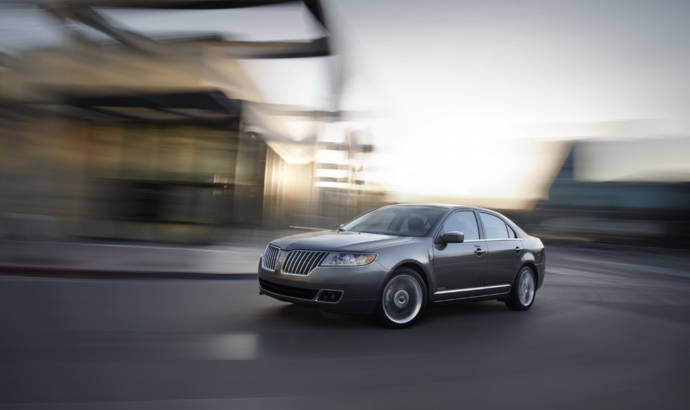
{"x": 340, "y": 228}
{"x": 451, "y": 237}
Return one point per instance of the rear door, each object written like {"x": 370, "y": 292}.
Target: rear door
{"x": 459, "y": 266}
{"x": 504, "y": 250}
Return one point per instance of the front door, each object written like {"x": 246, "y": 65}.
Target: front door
{"x": 459, "y": 267}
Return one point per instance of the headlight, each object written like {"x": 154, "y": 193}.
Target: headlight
{"x": 348, "y": 259}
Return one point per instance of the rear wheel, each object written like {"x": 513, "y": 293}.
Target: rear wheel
{"x": 402, "y": 299}
{"x": 524, "y": 290}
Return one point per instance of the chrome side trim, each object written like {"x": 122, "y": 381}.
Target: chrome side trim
{"x": 491, "y": 240}
{"x": 443, "y": 292}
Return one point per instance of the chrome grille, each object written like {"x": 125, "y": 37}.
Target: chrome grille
{"x": 302, "y": 262}
{"x": 270, "y": 257}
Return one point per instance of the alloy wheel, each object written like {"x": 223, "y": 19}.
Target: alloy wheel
{"x": 402, "y": 299}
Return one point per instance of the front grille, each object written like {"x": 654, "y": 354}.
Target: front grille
{"x": 302, "y": 262}
{"x": 270, "y": 257}
{"x": 288, "y": 290}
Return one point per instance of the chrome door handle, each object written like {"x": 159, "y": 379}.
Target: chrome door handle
{"x": 479, "y": 251}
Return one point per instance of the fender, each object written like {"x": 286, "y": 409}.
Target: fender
{"x": 528, "y": 259}
{"x": 423, "y": 267}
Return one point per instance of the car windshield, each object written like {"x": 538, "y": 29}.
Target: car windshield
{"x": 400, "y": 220}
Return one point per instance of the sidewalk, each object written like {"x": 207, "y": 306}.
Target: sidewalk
{"x": 238, "y": 254}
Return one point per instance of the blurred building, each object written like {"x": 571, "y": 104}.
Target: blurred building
{"x": 631, "y": 210}
{"x": 106, "y": 140}
{"x": 118, "y": 149}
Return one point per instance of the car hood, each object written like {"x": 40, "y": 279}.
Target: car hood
{"x": 340, "y": 241}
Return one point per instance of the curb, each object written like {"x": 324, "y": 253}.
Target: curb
{"x": 117, "y": 274}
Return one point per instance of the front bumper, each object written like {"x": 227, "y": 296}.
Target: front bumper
{"x": 358, "y": 287}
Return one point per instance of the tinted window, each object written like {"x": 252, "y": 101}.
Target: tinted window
{"x": 397, "y": 220}
{"x": 494, "y": 227}
{"x": 462, "y": 221}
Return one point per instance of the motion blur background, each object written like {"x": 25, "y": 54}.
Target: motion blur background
{"x": 150, "y": 149}
{"x": 170, "y": 122}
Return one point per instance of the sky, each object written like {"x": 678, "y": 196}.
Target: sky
{"x": 482, "y": 83}
{"x": 468, "y": 88}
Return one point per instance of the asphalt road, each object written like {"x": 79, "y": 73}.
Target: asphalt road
{"x": 609, "y": 329}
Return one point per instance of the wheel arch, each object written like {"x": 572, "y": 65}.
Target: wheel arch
{"x": 416, "y": 266}
{"x": 533, "y": 267}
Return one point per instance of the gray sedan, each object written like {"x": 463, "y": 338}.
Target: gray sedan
{"x": 395, "y": 260}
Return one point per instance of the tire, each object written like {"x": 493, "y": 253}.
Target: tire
{"x": 524, "y": 290}
{"x": 402, "y": 300}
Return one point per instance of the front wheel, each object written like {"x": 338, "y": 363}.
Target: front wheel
{"x": 402, "y": 299}
{"x": 523, "y": 291}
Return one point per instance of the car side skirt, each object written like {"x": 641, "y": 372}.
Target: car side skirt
{"x": 472, "y": 298}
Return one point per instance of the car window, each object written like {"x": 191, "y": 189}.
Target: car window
{"x": 494, "y": 227}
{"x": 462, "y": 221}
{"x": 397, "y": 220}
{"x": 415, "y": 225}
{"x": 378, "y": 222}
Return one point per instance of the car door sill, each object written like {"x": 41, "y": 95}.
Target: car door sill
{"x": 473, "y": 297}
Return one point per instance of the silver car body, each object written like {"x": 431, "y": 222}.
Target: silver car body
{"x": 471, "y": 270}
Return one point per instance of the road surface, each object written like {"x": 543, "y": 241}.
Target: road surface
{"x": 609, "y": 329}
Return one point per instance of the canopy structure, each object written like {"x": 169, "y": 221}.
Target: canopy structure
{"x": 212, "y": 61}
{"x": 85, "y": 12}
{"x": 211, "y": 106}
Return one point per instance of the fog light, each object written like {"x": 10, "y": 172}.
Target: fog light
{"x": 329, "y": 296}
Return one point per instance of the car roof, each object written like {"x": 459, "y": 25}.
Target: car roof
{"x": 446, "y": 206}
{"x": 436, "y": 205}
